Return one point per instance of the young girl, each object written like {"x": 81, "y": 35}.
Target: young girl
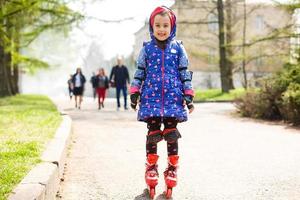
{"x": 101, "y": 85}
{"x": 164, "y": 86}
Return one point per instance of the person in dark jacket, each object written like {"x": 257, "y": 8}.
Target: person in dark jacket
{"x": 94, "y": 84}
{"x": 119, "y": 78}
{"x": 78, "y": 81}
{"x": 70, "y": 86}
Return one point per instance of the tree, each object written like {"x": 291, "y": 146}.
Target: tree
{"x": 218, "y": 9}
{"x": 21, "y": 22}
{"x": 244, "y": 44}
{"x": 225, "y": 68}
{"x": 241, "y": 48}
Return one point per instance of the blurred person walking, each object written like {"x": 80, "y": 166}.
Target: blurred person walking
{"x": 119, "y": 78}
{"x": 78, "y": 81}
{"x": 102, "y": 84}
{"x": 70, "y": 86}
{"x": 94, "y": 84}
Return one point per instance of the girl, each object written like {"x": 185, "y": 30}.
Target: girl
{"x": 102, "y": 85}
{"x": 164, "y": 86}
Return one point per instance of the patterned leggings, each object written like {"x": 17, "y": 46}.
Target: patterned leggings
{"x": 154, "y": 125}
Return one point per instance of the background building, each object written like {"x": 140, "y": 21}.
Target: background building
{"x": 197, "y": 27}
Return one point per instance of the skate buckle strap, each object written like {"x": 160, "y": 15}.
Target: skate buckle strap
{"x": 171, "y": 178}
{"x": 151, "y": 178}
{"x": 168, "y": 130}
{"x": 152, "y": 170}
{"x": 154, "y": 136}
{"x": 154, "y": 132}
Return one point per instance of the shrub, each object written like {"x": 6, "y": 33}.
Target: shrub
{"x": 278, "y": 97}
{"x": 290, "y": 108}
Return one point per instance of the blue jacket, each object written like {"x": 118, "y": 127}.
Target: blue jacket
{"x": 162, "y": 78}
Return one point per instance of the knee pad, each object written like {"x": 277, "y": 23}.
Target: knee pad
{"x": 154, "y": 137}
{"x": 171, "y": 135}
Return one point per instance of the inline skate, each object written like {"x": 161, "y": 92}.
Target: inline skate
{"x": 151, "y": 174}
{"x": 170, "y": 175}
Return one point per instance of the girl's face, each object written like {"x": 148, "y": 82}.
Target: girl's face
{"x": 161, "y": 27}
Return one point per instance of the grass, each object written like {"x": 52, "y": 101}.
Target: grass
{"x": 27, "y": 122}
{"x": 217, "y": 95}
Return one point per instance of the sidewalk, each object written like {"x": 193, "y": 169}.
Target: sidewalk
{"x": 222, "y": 157}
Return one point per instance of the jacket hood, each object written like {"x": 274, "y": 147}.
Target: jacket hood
{"x": 172, "y": 17}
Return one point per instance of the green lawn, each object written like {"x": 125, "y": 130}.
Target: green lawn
{"x": 27, "y": 122}
{"x": 217, "y": 95}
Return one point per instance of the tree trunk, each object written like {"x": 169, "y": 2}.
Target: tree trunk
{"x": 16, "y": 79}
{"x": 14, "y": 67}
{"x": 5, "y": 86}
{"x": 244, "y": 46}
{"x": 229, "y": 41}
{"x": 10, "y": 73}
{"x": 3, "y": 91}
{"x": 5, "y": 63}
{"x": 226, "y": 81}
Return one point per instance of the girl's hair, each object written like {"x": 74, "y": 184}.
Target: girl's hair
{"x": 102, "y": 70}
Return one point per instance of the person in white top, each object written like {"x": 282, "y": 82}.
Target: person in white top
{"x": 78, "y": 81}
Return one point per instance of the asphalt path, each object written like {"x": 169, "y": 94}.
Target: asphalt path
{"x": 222, "y": 156}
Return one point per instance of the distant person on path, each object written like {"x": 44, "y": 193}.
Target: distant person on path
{"x": 70, "y": 87}
{"x": 94, "y": 84}
{"x": 78, "y": 81}
{"x": 162, "y": 82}
{"x": 102, "y": 85}
{"x": 119, "y": 78}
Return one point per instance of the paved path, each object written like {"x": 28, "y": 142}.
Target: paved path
{"x": 222, "y": 157}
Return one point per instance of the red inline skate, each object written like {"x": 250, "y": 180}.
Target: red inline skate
{"x": 151, "y": 174}
{"x": 170, "y": 175}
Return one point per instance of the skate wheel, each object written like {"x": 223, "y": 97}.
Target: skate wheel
{"x": 152, "y": 193}
{"x": 168, "y": 193}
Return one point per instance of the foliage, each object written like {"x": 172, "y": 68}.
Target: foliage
{"x": 278, "y": 98}
{"x": 217, "y": 95}
{"x": 290, "y": 108}
{"x": 21, "y": 22}
{"x": 28, "y": 63}
{"x": 27, "y": 122}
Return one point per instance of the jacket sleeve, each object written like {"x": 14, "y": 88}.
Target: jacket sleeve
{"x": 127, "y": 75}
{"x": 73, "y": 78}
{"x": 140, "y": 73}
{"x": 185, "y": 75}
{"x": 111, "y": 73}
{"x": 106, "y": 82}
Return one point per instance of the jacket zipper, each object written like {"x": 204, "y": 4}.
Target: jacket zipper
{"x": 163, "y": 86}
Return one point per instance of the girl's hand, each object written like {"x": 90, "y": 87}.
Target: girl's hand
{"x": 191, "y": 109}
{"x": 188, "y": 101}
{"x": 134, "y": 100}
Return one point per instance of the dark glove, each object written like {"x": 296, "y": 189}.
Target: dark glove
{"x": 189, "y": 101}
{"x": 134, "y": 100}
